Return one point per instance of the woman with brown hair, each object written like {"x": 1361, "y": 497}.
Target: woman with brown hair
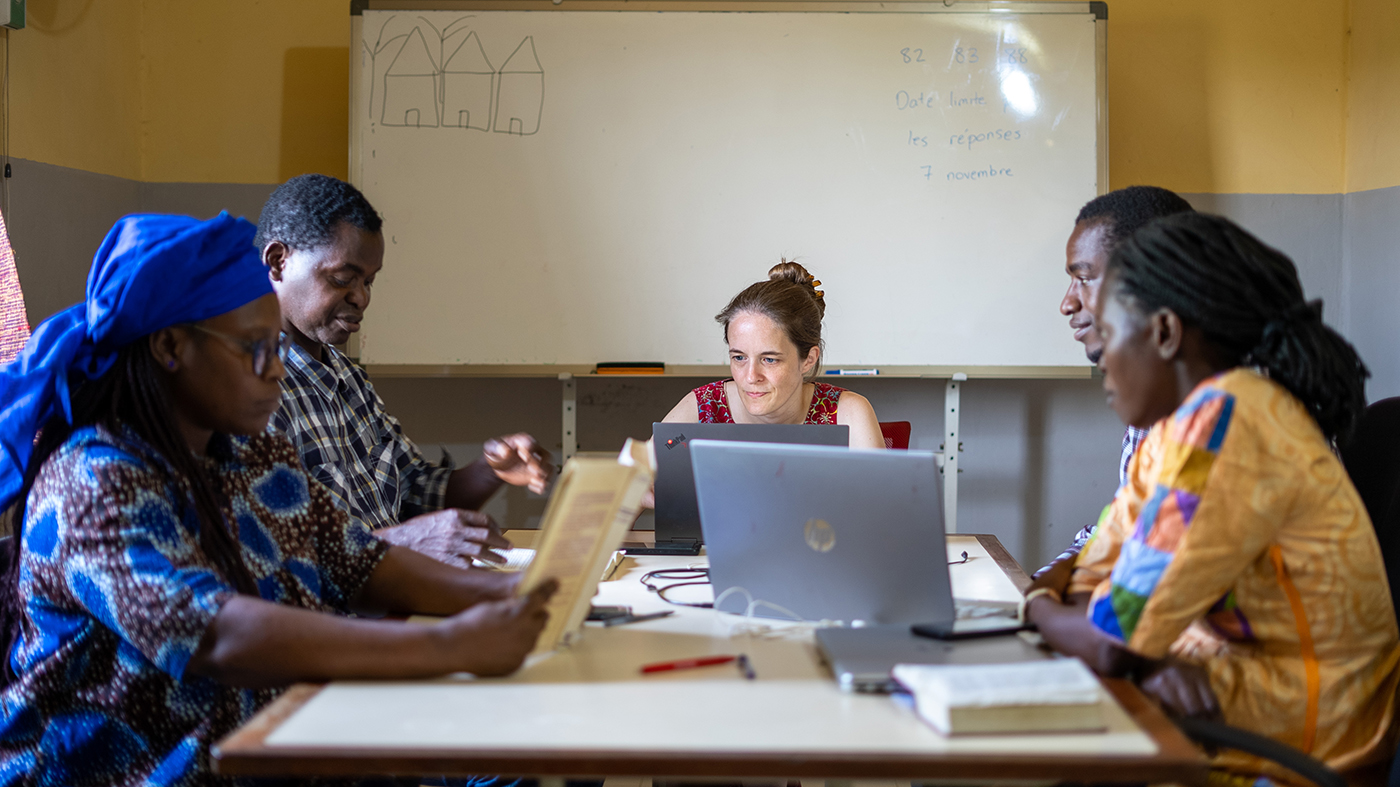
{"x": 774, "y": 332}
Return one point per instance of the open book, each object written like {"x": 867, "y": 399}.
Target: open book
{"x": 595, "y": 502}
{"x": 1054, "y": 695}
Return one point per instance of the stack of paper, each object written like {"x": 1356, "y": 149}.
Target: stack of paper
{"x": 517, "y": 559}
{"x": 1058, "y": 695}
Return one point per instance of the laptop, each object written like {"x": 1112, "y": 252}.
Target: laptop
{"x": 861, "y": 659}
{"x": 815, "y": 533}
{"x": 677, "y": 516}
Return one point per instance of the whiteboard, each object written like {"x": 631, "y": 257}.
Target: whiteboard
{"x": 576, "y": 186}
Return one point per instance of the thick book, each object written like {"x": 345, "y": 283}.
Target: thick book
{"x": 595, "y": 502}
{"x": 1056, "y": 695}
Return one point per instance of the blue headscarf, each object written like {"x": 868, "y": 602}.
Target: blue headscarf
{"x": 151, "y": 272}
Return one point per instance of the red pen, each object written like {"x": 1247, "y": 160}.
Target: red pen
{"x": 703, "y": 661}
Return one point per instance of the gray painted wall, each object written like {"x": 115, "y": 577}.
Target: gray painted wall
{"x": 1040, "y": 456}
{"x": 1371, "y": 282}
{"x": 1306, "y": 227}
{"x": 58, "y": 216}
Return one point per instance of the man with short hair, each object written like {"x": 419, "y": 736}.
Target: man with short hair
{"x": 323, "y": 246}
{"x": 1101, "y": 225}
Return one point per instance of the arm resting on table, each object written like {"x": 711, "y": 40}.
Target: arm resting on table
{"x": 406, "y": 582}
{"x": 255, "y": 643}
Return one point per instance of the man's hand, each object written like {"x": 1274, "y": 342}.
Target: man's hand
{"x": 519, "y": 461}
{"x": 1183, "y": 688}
{"x": 452, "y": 535}
{"x": 494, "y": 638}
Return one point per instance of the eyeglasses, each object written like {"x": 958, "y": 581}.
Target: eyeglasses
{"x": 261, "y": 350}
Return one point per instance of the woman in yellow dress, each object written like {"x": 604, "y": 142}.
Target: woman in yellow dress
{"x": 1236, "y": 573}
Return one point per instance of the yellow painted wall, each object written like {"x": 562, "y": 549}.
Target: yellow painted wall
{"x": 1373, "y": 96}
{"x": 1243, "y": 96}
{"x": 1227, "y": 96}
{"x": 75, "y": 88}
{"x": 246, "y": 91}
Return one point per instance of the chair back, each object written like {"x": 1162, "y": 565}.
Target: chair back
{"x": 1372, "y": 459}
{"x": 896, "y": 434}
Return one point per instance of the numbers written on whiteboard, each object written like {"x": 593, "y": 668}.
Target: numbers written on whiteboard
{"x": 966, "y": 55}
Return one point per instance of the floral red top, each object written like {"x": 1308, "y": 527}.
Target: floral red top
{"x": 714, "y": 407}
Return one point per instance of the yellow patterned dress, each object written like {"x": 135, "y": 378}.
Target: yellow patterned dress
{"x": 1239, "y": 543}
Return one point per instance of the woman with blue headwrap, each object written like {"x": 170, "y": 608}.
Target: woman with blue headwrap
{"x": 173, "y": 563}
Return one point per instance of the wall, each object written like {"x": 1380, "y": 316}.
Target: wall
{"x": 262, "y": 82}
{"x": 1279, "y": 113}
{"x": 1240, "y": 97}
{"x": 1373, "y": 96}
{"x": 58, "y": 217}
{"x": 75, "y": 86}
{"x": 1371, "y": 234}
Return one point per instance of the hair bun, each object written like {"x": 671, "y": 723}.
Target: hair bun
{"x": 795, "y": 273}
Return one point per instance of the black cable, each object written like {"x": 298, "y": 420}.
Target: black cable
{"x": 688, "y": 577}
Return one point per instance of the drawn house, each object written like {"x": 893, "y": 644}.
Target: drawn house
{"x": 410, "y": 86}
{"x": 468, "y": 82}
{"x": 520, "y": 92}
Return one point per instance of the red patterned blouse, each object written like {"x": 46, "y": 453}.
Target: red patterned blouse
{"x": 714, "y": 407}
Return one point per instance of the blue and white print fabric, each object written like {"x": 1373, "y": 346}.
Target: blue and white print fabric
{"x": 118, "y": 593}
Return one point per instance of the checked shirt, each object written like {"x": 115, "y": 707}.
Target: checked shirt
{"x": 349, "y": 443}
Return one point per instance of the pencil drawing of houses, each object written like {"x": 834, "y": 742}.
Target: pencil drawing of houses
{"x": 520, "y": 92}
{"x": 411, "y": 86}
{"x": 468, "y": 82}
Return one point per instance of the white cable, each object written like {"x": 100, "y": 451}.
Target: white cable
{"x": 749, "y": 625}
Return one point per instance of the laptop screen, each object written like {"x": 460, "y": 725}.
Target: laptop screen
{"x": 677, "y": 513}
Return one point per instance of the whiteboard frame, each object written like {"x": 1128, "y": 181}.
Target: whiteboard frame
{"x": 1098, "y": 8}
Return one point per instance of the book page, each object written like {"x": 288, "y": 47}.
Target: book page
{"x": 1053, "y": 682}
{"x": 594, "y": 503}
{"x": 576, "y": 519}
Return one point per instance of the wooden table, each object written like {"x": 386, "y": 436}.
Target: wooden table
{"x": 587, "y": 712}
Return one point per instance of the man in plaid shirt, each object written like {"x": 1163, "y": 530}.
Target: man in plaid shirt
{"x": 322, "y": 243}
{"x": 1101, "y": 224}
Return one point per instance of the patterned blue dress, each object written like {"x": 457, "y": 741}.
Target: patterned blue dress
{"x": 117, "y": 594}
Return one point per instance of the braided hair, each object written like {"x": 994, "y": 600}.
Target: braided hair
{"x": 1247, "y": 300}
{"x": 129, "y": 394}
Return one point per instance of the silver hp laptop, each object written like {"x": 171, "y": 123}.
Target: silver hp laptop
{"x": 827, "y": 534}
{"x": 677, "y": 517}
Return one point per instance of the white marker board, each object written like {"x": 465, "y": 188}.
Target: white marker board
{"x": 574, "y": 186}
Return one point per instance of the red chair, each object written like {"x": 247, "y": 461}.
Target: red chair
{"x": 896, "y": 434}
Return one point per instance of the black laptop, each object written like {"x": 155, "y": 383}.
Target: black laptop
{"x": 677, "y": 513}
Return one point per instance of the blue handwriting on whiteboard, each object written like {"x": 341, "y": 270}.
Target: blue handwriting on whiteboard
{"x": 975, "y": 100}
{"x": 906, "y": 100}
{"x": 967, "y": 139}
{"x": 970, "y": 174}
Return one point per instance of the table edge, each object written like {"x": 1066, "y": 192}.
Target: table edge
{"x": 244, "y": 752}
